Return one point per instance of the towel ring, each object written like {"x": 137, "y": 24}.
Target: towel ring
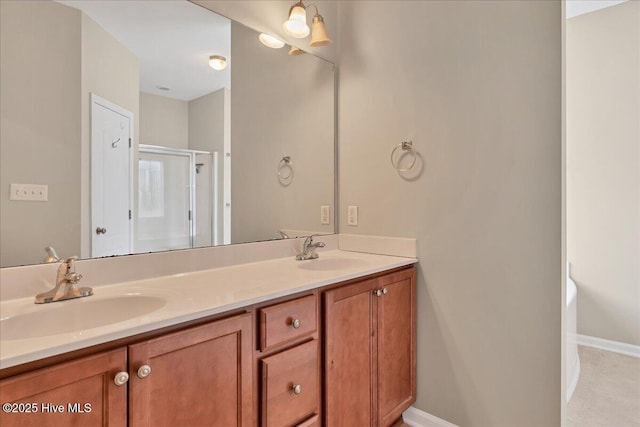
{"x": 405, "y": 146}
{"x": 283, "y": 163}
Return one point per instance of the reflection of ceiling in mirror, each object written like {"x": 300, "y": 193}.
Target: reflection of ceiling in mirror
{"x": 172, "y": 39}
{"x": 580, "y": 7}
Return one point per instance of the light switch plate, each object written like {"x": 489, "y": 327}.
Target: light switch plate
{"x": 324, "y": 215}
{"x": 29, "y": 192}
{"x": 352, "y": 215}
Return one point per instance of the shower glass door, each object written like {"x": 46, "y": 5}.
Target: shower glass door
{"x": 165, "y": 186}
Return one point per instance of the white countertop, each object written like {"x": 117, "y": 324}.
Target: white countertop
{"x": 173, "y": 299}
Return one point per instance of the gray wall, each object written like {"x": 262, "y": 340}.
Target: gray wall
{"x": 603, "y": 164}
{"x": 477, "y": 86}
{"x": 281, "y": 105}
{"x": 164, "y": 121}
{"x": 39, "y": 126}
{"x": 206, "y": 133}
{"x": 53, "y": 58}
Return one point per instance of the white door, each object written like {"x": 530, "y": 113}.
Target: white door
{"x": 111, "y": 179}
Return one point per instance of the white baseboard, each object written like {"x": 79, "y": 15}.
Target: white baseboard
{"x": 417, "y": 418}
{"x": 608, "y": 345}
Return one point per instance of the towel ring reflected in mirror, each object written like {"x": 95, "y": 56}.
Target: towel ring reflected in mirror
{"x": 407, "y": 150}
{"x": 285, "y": 164}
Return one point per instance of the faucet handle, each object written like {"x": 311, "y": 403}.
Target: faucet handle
{"x": 72, "y": 276}
{"x": 308, "y": 241}
{"x": 71, "y": 262}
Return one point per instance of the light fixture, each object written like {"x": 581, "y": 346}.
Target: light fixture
{"x": 296, "y": 26}
{"x": 270, "y": 41}
{"x": 319, "y": 36}
{"x": 294, "y": 51}
{"x": 217, "y": 62}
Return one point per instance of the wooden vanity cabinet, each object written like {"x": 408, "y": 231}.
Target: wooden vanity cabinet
{"x": 199, "y": 376}
{"x": 78, "y": 393}
{"x": 370, "y": 354}
{"x": 284, "y": 363}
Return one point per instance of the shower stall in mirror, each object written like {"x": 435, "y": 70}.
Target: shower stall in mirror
{"x": 176, "y": 204}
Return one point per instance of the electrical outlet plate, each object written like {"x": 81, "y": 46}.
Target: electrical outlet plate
{"x": 324, "y": 215}
{"x": 29, "y": 192}
{"x": 352, "y": 215}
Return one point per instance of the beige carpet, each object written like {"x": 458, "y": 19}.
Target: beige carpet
{"x": 608, "y": 391}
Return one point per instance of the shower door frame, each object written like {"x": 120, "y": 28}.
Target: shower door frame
{"x": 191, "y": 154}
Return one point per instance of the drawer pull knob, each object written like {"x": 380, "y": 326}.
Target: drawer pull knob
{"x": 296, "y": 323}
{"x": 144, "y": 371}
{"x": 121, "y": 378}
{"x": 297, "y": 389}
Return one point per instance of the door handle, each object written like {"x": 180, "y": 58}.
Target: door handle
{"x": 101, "y": 230}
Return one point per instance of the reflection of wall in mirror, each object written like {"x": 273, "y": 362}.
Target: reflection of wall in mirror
{"x": 280, "y": 106}
{"x": 53, "y": 58}
{"x": 45, "y": 121}
{"x": 39, "y": 83}
{"x": 197, "y": 124}
{"x": 164, "y": 121}
{"x": 207, "y": 127}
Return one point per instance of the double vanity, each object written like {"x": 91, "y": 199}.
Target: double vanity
{"x": 188, "y": 328}
{"x": 279, "y": 342}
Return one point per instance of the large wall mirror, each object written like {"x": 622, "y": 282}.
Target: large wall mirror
{"x": 118, "y": 137}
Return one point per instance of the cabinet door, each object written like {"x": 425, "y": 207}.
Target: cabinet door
{"x": 349, "y": 358}
{"x": 77, "y": 393}
{"x": 199, "y": 377}
{"x": 396, "y": 347}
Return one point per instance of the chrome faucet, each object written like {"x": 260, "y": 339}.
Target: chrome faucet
{"x": 283, "y": 235}
{"x": 309, "y": 249}
{"x": 66, "y": 284}
{"x": 52, "y": 256}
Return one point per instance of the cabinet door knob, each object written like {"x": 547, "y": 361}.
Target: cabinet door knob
{"x": 101, "y": 230}
{"x": 296, "y": 388}
{"x": 296, "y": 323}
{"x": 144, "y": 371}
{"x": 121, "y": 378}
{"x": 385, "y": 291}
{"x": 378, "y": 292}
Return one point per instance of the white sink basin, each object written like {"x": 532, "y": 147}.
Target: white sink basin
{"x": 331, "y": 264}
{"x": 76, "y": 315}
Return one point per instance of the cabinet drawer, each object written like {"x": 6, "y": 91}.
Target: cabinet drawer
{"x": 287, "y": 321}
{"x": 290, "y": 387}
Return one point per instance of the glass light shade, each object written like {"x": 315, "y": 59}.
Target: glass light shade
{"x": 270, "y": 41}
{"x": 296, "y": 26}
{"x": 319, "y": 36}
{"x": 294, "y": 51}
{"x": 217, "y": 62}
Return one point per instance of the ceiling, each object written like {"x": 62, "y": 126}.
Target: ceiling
{"x": 172, "y": 39}
{"x": 580, "y": 7}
